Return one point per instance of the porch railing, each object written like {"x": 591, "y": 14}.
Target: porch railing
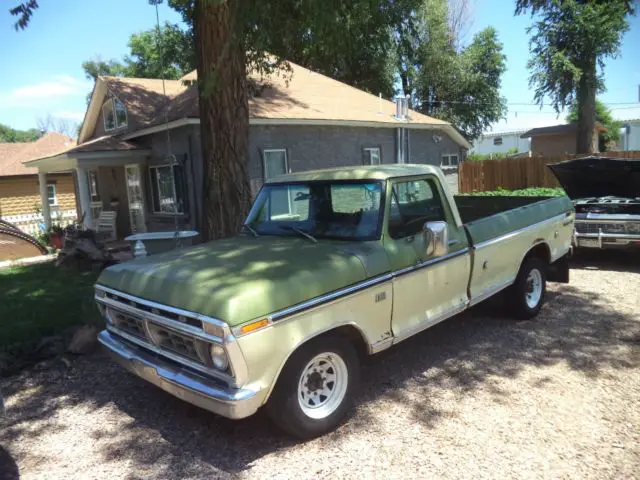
{"x": 33, "y": 223}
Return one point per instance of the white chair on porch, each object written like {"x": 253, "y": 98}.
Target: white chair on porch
{"x": 106, "y": 226}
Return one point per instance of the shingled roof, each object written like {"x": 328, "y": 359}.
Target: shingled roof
{"x": 13, "y": 154}
{"x": 298, "y": 95}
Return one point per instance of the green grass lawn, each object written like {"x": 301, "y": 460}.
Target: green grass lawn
{"x": 41, "y": 300}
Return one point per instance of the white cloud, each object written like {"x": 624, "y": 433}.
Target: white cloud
{"x": 54, "y": 89}
{"x": 69, "y": 115}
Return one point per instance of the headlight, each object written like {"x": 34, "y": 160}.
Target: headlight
{"x": 633, "y": 227}
{"x": 219, "y": 357}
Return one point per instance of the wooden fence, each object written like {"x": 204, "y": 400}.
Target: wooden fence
{"x": 516, "y": 173}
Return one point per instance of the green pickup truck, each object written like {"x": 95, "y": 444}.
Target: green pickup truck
{"x": 331, "y": 266}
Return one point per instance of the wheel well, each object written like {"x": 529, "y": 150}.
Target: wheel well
{"x": 350, "y": 332}
{"x": 355, "y": 336}
{"x": 541, "y": 251}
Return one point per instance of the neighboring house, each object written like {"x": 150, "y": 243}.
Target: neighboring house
{"x": 558, "y": 139}
{"x": 630, "y": 135}
{"x": 19, "y": 186}
{"x": 490, "y": 143}
{"x": 304, "y": 122}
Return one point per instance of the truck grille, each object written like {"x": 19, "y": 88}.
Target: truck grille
{"x": 595, "y": 227}
{"x": 166, "y": 338}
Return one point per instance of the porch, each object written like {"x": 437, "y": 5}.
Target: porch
{"x": 116, "y": 176}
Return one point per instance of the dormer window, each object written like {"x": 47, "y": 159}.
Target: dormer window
{"x": 114, "y": 114}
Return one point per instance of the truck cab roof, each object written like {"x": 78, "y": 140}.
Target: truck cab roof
{"x": 365, "y": 172}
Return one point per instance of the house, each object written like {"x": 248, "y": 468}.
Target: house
{"x": 558, "y": 139}
{"x": 132, "y": 131}
{"x": 630, "y": 135}
{"x": 20, "y": 192}
{"x": 502, "y": 142}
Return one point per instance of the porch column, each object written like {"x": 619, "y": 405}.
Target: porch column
{"x": 44, "y": 198}
{"x": 85, "y": 197}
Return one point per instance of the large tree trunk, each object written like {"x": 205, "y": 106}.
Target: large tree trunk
{"x": 224, "y": 118}
{"x": 587, "y": 139}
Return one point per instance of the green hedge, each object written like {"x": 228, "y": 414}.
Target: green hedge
{"x": 525, "y": 192}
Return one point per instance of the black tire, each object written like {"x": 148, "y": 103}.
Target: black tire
{"x": 519, "y": 291}
{"x": 284, "y": 407}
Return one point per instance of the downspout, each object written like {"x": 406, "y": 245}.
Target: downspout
{"x": 398, "y": 145}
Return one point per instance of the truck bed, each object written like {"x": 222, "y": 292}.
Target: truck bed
{"x": 490, "y": 217}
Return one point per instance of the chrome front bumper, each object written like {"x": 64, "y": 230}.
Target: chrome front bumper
{"x": 605, "y": 240}
{"x": 185, "y": 384}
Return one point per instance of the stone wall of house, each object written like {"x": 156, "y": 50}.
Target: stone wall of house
{"x": 20, "y": 195}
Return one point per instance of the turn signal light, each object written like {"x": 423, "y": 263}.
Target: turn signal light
{"x": 250, "y": 327}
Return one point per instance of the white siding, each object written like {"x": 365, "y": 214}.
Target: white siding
{"x": 485, "y": 144}
{"x": 632, "y": 141}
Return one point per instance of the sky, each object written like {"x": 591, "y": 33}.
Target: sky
{"x": 40, "y": 67}
{"x": 41, "y": 70}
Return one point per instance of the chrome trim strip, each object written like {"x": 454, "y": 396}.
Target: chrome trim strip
{"x": 166, "y": 322}
{"x": 314, "y": 302}
{"x": 428, "y": 263}
{"x": 622, "y": 236}
{"x": 609, "y": 217}
{"x": 172, "y": 356}
{"x": 428, "y": 323}
{"x": 492, "y": 290}
{"x": 151, "y": 304}
{"x": 510, "y": 235}
{"x": 188, "y": 386}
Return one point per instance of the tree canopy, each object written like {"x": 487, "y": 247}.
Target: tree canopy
{"x": 144, "y": 59}
{"x": 569, "y": 42}
{"x": 605, "y": 118}
{"x": 11, "y": 135}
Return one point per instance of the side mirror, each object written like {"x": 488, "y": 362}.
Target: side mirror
{"x": 436, "y": 238}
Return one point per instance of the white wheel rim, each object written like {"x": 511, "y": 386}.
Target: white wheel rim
{"x": 322, "y": 385}
{"x": 533, "y": 291}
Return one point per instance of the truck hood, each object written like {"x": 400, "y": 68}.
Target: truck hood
{"x": 243, "y": 278}
{"x": 595, "y": 177}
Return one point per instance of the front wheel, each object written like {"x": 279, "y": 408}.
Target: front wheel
{"x": 528, "y": 292}
{"x": 316, "y": 387}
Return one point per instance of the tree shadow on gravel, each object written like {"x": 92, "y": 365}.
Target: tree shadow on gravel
{"x": 171, "y": 438}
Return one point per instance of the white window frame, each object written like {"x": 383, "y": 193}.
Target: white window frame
{"x": 369, "y": 150}
{"x": 116, "y": 124}
{"x": 175, "y": 193}
{"x": 446, "y": 160}
{"x": 55, "y": 195}
{"x": 274, "y": 150}
{"x": 497, "y": 140}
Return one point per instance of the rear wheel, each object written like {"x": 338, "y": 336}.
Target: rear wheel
{"x": 528, "y": 292}
{"x": 316, "y": 387}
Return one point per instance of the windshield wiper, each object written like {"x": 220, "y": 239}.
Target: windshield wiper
{"x": 251, "y": 229}
{"x": 301, "y": 232}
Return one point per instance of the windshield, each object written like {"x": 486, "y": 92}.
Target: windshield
{"x": 323, "y": 209}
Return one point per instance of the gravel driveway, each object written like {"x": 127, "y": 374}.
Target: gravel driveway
{"x": 479, "y": 396}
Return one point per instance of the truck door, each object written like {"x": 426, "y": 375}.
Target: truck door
{"x": 426, "y": 289}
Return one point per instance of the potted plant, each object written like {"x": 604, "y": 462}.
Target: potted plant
{"x": 56, "y": 236}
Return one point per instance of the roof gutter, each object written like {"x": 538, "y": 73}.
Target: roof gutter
{"x": 446, "y": 127}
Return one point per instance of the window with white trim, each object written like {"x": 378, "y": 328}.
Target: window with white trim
{"x": 275, "y": 162}
{"x": 372, "y": 156}
{"x": 163, "y": 187}
{"x": 51, "y": 195}
{"x": 114, "y": 114}
{"x": 450, "y": 160}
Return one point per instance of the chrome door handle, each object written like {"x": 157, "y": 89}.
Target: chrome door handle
{"x": 453, "y": 242}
